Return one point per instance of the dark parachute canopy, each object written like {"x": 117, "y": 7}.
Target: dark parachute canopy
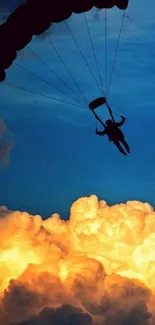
{"x": 35, "y": 17}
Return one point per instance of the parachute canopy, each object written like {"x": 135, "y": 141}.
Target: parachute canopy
{"x": 35, "y": 17}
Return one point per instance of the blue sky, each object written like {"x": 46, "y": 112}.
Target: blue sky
{"x": 56, "y": 156}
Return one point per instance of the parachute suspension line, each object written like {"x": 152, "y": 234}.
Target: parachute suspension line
{"x": 114, "y": 60}
{"x": 93, "y": 50}
{"x": 48, "y": 83}
{"x": 96, "y": 123}
{"x": 55, "y": 49}
{"x": 81, "y": 53}
{"x": 105, "y": 47}
{"x": 46, "y": 65}
{"x": 42, "y": 95}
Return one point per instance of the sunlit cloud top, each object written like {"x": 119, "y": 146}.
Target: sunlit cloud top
{"x": 94, "y": 268}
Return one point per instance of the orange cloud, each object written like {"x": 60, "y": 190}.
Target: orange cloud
{"x": 96, "y": 268}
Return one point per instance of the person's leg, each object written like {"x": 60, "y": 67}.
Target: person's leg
{"x": 117, "y": 144}
{"x": 126, "y": 146}
{"x": 122, "y": 140}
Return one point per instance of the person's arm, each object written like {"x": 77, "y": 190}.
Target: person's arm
{"x": 122, "y": 122}
{"x": 100, "y": 132}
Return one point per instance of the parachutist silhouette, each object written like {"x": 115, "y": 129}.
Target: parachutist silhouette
{"x": 115, "y": 134}
{"x": 111, "y": 128}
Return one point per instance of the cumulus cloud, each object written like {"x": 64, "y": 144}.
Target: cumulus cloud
{"x": 6, "y": 144}
{"x": 95, "y": 268}
{"x": 65, "y": 314}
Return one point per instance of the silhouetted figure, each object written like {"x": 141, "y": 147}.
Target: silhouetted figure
{"x": 115, "y": 134}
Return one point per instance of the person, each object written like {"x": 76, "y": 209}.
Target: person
{"x": 115, "y": 134}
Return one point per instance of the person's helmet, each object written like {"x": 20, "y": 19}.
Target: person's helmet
{"x": 108, "y": 122}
